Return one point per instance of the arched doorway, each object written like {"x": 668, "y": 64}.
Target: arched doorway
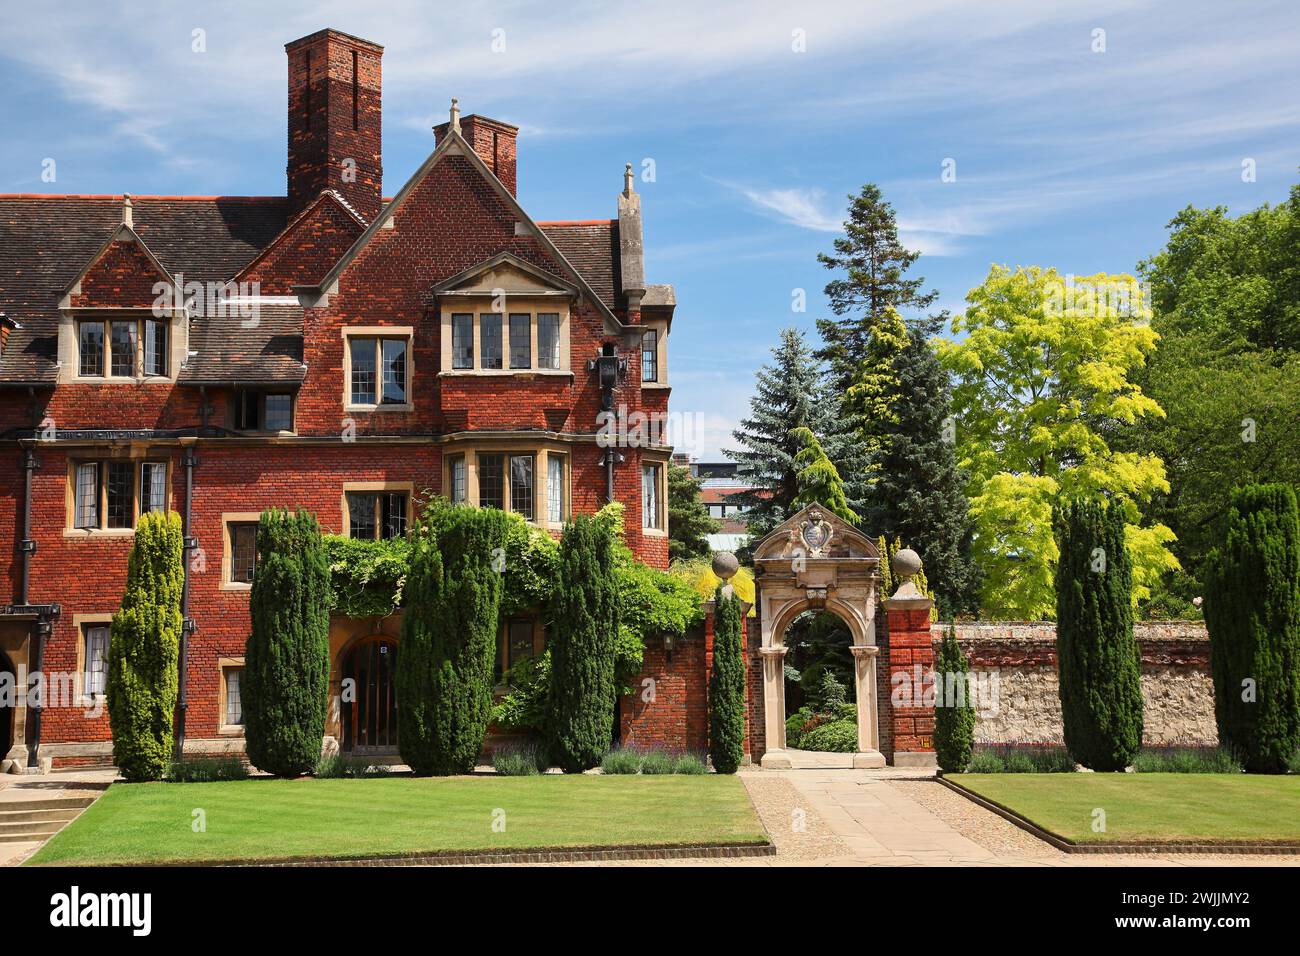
{"x": 368, "y": 713}
{"x": 8, "y": 703}
{"x": 814, "y": 561}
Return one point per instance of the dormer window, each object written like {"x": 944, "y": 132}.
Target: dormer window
{"x": 111, "y": 348}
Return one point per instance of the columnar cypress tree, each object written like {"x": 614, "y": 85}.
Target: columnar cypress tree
{"x": 144, "y": 649}
{"x": 918, "y": 494}
{"x": 1252, "y": 610}
{"x": 585, "y": 605}
{"x": 727, "y": 684}
{"x": 1099, "y": 661}
{"x": 286, "y": 662}
{"x": 449, "y": 633}
{"x": 954, "y": 718}
{"x": 413, "y": 677}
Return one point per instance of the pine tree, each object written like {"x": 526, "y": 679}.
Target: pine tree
{"x": 585, "y": 611}
{"x": 819, "y": 480}
{"x": 919, "y": 492}
{"x": 875, "y": 264}
{"x": 1252, "y": 611}
{"x": 286, "y": 662}
{"x": 727, "y": 684}
{"x": 454, "y": 610}
{"x": 784, "y": 399}
{"x": 1099, "y": 660}
{"x": 689, "y": 521}
{"x": 143, "y": 650}
{"x": 954, "y": 718}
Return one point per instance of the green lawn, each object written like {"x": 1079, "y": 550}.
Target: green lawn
{"x": 264, "y": 818}
{"x": 1145, "y": 807}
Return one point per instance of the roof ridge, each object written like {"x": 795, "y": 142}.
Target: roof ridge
{"x": 575, "y": 222}
{"x": 117, "y": 197}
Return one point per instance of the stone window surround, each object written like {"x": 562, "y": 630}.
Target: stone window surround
{"x": 356, "y": 487}
{"x": 660, "y": 327}
{"x": 541, "y": 452}
{"x": 81, "y": 622}
{"x": 69, "y": 345}
{"x": 383, "y": 332}
{"x": 661, "y": 468}
{"x": 478, "y": 306}
{"x": 136, "y": 455}
{"x": 227, "y": 519}
{"x": 225, "y": 664}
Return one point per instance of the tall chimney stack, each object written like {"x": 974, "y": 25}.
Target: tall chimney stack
{"x": 493, "y": 140}
{"x": 335, "y": 120}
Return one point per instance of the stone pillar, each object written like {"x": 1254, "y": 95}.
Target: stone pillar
{"x": 868, "y": 756}
{"x": 774, "y": 708}
{"x": 911, "y": 655}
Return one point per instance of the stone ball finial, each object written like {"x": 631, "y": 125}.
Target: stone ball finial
{"x": 905, "y": 563}
{"x": 725, "y": 565}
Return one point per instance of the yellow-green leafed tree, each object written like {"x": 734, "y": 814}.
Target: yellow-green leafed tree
{"x": 1042, "y": 368}
{"x": 698, "y": 573}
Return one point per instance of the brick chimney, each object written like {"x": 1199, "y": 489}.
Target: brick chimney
{"x": 493, "y": 140}
{"x": 334, "y": 120}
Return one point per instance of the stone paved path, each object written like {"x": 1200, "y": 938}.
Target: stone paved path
{"x": 893, "y": 818}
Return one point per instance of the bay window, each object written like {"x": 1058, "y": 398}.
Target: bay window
{"x": 554, "y": 488}
{"x": 462, "y": 340}
{"x": 489, "y": 332}
{"x": 649, "y": 356}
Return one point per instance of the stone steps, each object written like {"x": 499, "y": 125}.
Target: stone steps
{"x": 39, "y": 818}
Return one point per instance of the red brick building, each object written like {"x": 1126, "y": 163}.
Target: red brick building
{"x": 331, "y": 350}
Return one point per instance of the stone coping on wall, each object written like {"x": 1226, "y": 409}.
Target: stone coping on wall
{"x": 1007, "y": 643}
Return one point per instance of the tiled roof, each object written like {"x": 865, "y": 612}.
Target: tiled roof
{"x": 46, "y": 240}
{"x": 258, "y": 348}
{"x": 592, "y": 248}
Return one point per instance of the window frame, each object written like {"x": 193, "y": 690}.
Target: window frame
{"x": 376, "y": 490}
{"x": 98, "y": 689}
{"x": 225, "y": 666}
{"x": 240, "y": 401}
{"x": 659, "y": 524}
{"x": 140, "y": 358}
{"x": 379, "y": 334}
{"x": 457, "y": 336}
{"x": 131, "y": 497}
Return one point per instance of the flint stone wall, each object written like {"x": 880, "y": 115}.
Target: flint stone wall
{"x": 1176, "y": 685}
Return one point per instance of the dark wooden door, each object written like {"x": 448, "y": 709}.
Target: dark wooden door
{"x": 370, "y": 720}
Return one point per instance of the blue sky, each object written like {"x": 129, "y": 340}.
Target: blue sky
{"x": 1064, "y": 156}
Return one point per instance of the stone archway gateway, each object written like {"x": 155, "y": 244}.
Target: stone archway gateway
{"x": 817, "y": 561}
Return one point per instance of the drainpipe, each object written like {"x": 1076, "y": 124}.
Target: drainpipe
{"x": 37, "y": 635}
{"x": 187, "y": 623}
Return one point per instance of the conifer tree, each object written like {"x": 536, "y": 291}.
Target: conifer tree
{"x": 452, "y": 621}
{"x": 785, "y": 396}
{"x": 143, "y": 650}
{"x": 689, "y": 522}
{"x": 919, "y": 492}
{"x": 286, "y": 661}
{"x": 874, "y": 264}
{"x": 954, "y": 718}
{"x": 1099, "y": 661}
{"x": 585, "y": 611}
{"x": 1252, "y": 611}
{"x": 819, "y": 480}
{"x": 727, "y": 684}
